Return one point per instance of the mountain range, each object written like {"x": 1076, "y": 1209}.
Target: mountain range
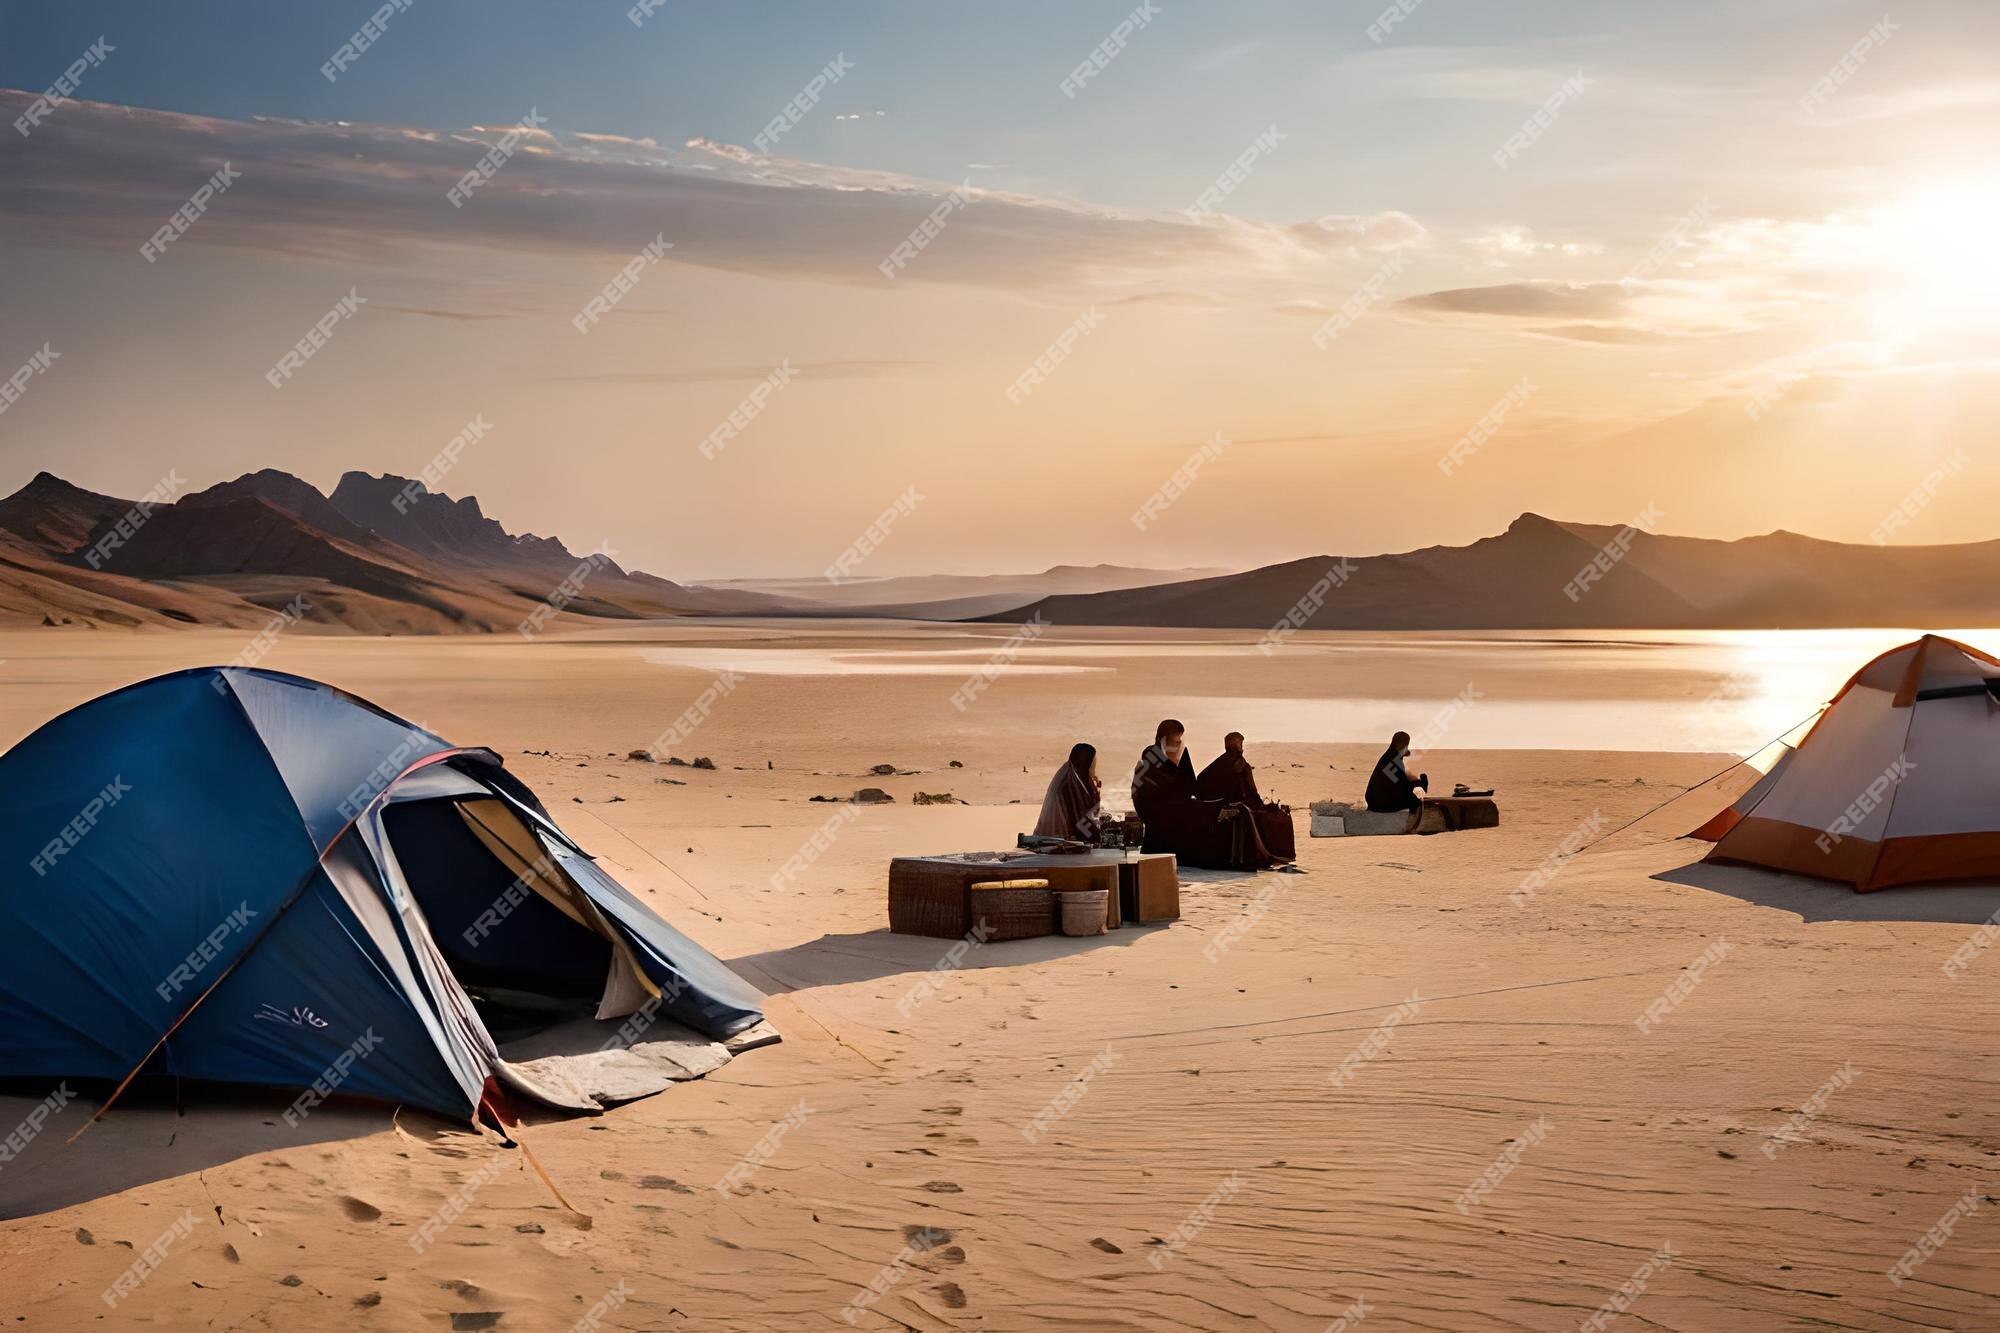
{"x": 381, "y": 555}
{"x": 387, "y": 555}
{"x": 1543, "y": 574}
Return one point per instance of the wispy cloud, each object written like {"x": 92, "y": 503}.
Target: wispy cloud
{"x": 806, "y": 370}
{"x": 103, "y": 175}
{"x": 1528, "y": 300}
{"x": 432, "y": 312}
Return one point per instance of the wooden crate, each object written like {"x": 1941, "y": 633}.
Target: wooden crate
{"x": 1151, "y": 888}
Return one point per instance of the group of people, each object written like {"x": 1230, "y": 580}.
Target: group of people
{"x": 1215, "y": 818}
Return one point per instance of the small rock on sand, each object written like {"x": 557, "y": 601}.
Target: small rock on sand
{"x": 872, "y": 796}
{"x": 643, "y": 756}
{"x": 935, "y": 798}
{"x": 883, "y": 770}
{"x": 956, "y": 764}
{"x": 704, "y": 761}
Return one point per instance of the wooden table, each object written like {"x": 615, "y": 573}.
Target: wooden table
{"x": 931, "y": 895}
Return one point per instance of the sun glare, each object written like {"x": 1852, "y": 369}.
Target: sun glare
{"x": 1937, "y": 249}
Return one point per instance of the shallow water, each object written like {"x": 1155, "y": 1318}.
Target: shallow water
{"x": 1709, "y": 691}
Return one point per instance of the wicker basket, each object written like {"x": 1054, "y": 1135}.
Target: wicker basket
{"x": 1084, "y": 911}
{"x": 1016, "y": 909}
{"x": 927, "y": 895}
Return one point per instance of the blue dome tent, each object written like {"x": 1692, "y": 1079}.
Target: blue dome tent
{"x": 250, "y": 877}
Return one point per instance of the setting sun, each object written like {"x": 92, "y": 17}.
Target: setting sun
{"x": 1939, "y": 249}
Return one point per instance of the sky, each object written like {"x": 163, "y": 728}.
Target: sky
{"x": 1269, "y": 280}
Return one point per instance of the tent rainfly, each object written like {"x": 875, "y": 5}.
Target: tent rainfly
{"x": 246, "y": 876}
{"x": 1897, "y": 781}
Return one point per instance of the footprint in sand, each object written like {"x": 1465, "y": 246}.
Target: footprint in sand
{"x": 359, "y": 1210}
{"x": 943, "y": 1187}
{"x": 663, "y": 1183}
{"x": 84, "y": 1237}
{"x": 952, "y": 1295}
{"x": 229, "y": 1253}
{"x": 944, "y": 1110}
{"x": 1105, "y": 1245}
{"x": 921, "y": 1238}
{"x": 476, "y": 1319}
{"x": 460, "y": 1287}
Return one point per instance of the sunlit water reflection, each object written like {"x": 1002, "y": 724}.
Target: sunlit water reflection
{"x": 1715, "y": 691}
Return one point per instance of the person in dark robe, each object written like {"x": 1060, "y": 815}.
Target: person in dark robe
{"x": 1231, "y": 778}
{"x": 1164, "y": 779}
{"x": 1073, "y": 806}
{"x": 1214, "y": 835}
{"x": 1390, "y": 786}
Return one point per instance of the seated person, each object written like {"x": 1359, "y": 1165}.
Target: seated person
{"x": 1216, "y": 835}
{"x": 1390, "y": 787}
{"x": 1164, "y": 777}
{"x": 1230, "y": 778}
{"x": 1073, "y": 807}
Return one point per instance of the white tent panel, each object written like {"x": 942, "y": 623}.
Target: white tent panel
{"x": 1855, "y": 742}
{"x": 1954, "y": 783}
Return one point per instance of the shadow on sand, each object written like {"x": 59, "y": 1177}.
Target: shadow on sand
{"x": 1822, "y": 900}
{"x": 838, "y": 960}
{"x": 145, "y": 1137}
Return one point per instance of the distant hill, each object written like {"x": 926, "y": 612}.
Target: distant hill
{"x": 1517, "y": 580}
{"x": 238, "y": 551}
{"x": 953, "y": 596}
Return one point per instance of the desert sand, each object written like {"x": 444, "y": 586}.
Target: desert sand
{"x": 1209, "y": 1044}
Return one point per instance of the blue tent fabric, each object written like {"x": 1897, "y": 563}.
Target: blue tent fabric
{"x": 311, "y": 989}
{"x": 160, "y": 864}
{"x": 99, "y": 908}
{"x": 696, "y": 987}
{"x": 336, "y": 752}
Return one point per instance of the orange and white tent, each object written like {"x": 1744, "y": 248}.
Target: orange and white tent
{"x": 1897, "y": 781}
